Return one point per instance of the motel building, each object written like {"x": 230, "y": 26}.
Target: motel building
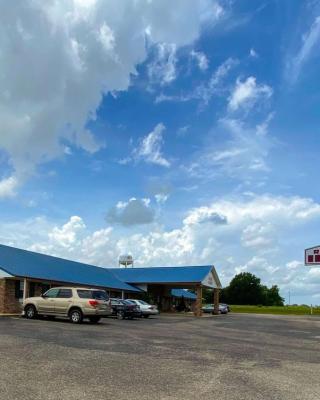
{"x": 25, "y": 274}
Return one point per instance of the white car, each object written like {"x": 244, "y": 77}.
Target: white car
{"x": 145, "y": 308}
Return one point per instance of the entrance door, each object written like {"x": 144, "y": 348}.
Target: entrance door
{"x": 46, "y": 304}
{"x": 63, "y": 301}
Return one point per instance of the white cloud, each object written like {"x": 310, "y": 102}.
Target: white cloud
{"x": 133, "y": 212}
{"x": 150, "y": 148}
{"x": 309, "y": 42}
{"x": 242, "y": 154}
{"x": 8, "y": 187}
{"x": 265, "y": 235}
{"x": 246, "y": 93}
{"x": 66, "y": 235}
{"x": 161, "y": 198}
{"x": 163, "y": 67}
{"x": 73, "y": 53}
{"x": 183, "y": 130}
{"x": 201, "y": 59}
{"x": 205, "y": 91}
{"x": 253, "y": 53}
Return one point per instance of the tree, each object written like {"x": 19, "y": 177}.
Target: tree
{"x": 273, "y": 297}
{"x": 245, "y": 288}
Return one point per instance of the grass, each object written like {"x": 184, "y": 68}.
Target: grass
{"x": 284, "y": 310}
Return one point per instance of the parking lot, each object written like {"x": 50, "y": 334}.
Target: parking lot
{"x": 167, "y": 357}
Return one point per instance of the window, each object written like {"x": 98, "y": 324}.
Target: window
{"x": 92, "y": 294}
{"x": 18, "y": 289}
{"x": 52, "y": 293}
{"x": 32, "y": 287}
{"x": 64, "y": 294}
{"x": 44, "y": 287}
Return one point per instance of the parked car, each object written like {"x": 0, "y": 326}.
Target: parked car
{"x": 209, "y": 308}
{"x": 125, "y": 309}
{"x": 226, "y": 305}
{"x": 145, "y": 308}
{"x": 73, "y": 303}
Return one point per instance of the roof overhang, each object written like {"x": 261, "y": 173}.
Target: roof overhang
{"x": 4, "y": 274}
{"x": 128, "y": 288}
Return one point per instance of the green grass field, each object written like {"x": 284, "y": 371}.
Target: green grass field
{"x": 289, "y": 310}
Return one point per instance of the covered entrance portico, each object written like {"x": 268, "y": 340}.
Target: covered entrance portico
{"x": 157, "y": 283}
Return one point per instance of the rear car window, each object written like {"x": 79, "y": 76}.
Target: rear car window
{"x": 92, "y": 294}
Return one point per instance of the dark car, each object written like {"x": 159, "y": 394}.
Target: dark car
{"x": 125, "y": 309}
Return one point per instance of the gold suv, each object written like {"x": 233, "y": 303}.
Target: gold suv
{"x": 73, "y": 303}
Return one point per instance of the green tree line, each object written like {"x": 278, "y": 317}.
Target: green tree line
{"x": 246, "y": 289}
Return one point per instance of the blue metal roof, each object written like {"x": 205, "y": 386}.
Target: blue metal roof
{"x": 192, "y": 274}
{"x": 183, "y": 293}
{"x": 28, "y": 264}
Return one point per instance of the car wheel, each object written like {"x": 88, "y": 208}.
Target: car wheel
{"x": 120, "y": 315}
{"x": 76, "y": 316}
{"x": 94, "y": 320}
{"x": 146, "y": 316}
{"x": 30, "y": 312}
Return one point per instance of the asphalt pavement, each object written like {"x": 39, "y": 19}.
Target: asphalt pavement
{"x": 227, "y": 357}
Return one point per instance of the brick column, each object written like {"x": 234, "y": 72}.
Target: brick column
{"x": 198, "y": 306}
{"x": 216, "y": 301}
{"x": 11, "y": 304}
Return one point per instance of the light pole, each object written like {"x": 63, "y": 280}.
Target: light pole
{"x": 289, "y": 297}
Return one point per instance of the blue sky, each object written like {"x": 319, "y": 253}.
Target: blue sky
{"x": 182, "y": 135}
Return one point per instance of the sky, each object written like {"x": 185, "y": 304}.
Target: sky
{"x": 182, "y": 135}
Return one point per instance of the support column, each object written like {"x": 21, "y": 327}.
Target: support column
{"x": 216, "y": 301}
{"x": 198, "y": 306}
{"x": 25, "y": 288}
{"x": 122, "y": 294}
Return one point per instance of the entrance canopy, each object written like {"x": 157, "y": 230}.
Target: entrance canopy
{"x": 204, "y": 275}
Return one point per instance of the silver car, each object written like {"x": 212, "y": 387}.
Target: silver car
{"x": 145, "y": 308}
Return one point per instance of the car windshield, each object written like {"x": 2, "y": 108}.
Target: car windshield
{"x": 93, "y": 294}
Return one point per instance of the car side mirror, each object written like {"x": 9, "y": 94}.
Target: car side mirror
{"x": 43, "y": 296}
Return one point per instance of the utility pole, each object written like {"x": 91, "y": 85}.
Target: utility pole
{"x": 289, "y": 297}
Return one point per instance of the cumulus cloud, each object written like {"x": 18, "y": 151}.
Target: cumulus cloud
{"x": 246, "y": 93}
{"x": 133, "y": 212}
{"x": 58, "y": 60}
{"x": 205, "y": 214}
{"x": 150, "y": 148}
{"x": 8, "y": 187}
{"x": 260, "y": 236}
